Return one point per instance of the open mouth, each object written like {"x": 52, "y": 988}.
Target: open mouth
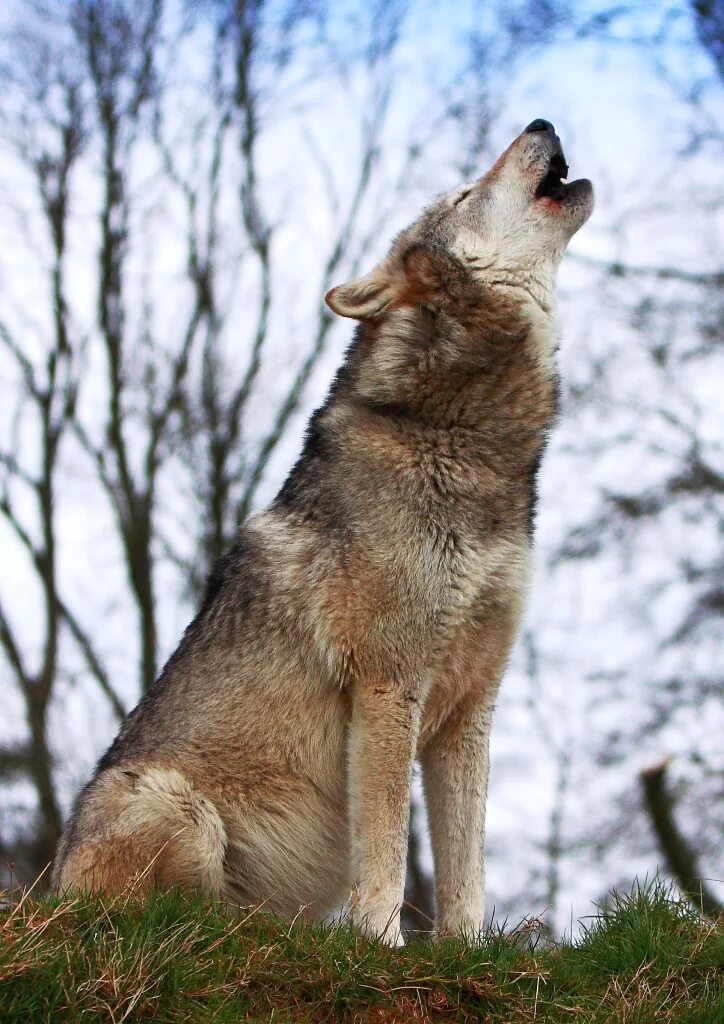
{"x": 554, "y": 182}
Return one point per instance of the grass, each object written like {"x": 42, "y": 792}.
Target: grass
{"x": 644, "y": 957}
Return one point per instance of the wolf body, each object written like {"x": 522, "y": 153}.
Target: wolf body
{"x": 364, "y": 619}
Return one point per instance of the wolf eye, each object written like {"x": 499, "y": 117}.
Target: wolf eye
{"x": 463, "y": 195}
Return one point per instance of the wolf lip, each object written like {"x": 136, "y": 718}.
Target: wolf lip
{"x": 553, "y": 183}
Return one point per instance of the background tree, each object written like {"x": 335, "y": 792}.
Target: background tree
{"x": 631, "y": 536}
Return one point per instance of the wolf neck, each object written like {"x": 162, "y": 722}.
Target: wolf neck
{"x": 466, "y": 371}
{"x": 460, "y": 413}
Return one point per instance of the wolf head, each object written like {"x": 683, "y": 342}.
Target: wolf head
{"x": 506, "y": 231}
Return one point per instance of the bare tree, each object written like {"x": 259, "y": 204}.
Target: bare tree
{"x": 680, "y": 858}
{"x": 49, "y": 387}
{"x": 645, "y": 404}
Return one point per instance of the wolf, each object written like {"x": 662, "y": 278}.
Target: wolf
{"x": 364, "y": 619}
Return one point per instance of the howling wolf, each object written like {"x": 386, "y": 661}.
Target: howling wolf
{"x": 364, "y": 619}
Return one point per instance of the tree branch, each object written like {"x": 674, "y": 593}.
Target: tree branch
{"x": 616, "y": 268}
{"x": 92, "y": 660}
{"x": 680, "y": 858}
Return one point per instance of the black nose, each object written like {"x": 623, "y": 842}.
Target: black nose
{"x": 539, "y": 125}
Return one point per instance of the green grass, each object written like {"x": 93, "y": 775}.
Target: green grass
{"x": 645, "y": 957}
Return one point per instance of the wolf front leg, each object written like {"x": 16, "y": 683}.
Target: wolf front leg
{"x": 455, "y": 774}
{"x": 383, "y": 737}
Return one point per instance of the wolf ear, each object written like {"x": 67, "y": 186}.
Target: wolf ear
{"x": 419, "y": 274}
{"x": 431, "y": 273}
{"x": 365, "y": 297}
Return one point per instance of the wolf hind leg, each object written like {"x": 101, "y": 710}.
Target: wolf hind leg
{"x": 158, "y": 832}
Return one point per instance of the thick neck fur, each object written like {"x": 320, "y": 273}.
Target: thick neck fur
{"x": 460, "y": 399}
{"x": 484, "y": 367}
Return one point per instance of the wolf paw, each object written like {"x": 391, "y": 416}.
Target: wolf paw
{"x": 389, "y": 933}
{"x": 384, "y": 927}
{"x": 470, "y": 932}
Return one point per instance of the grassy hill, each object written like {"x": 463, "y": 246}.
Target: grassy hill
{"x": 644, "y": 958}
